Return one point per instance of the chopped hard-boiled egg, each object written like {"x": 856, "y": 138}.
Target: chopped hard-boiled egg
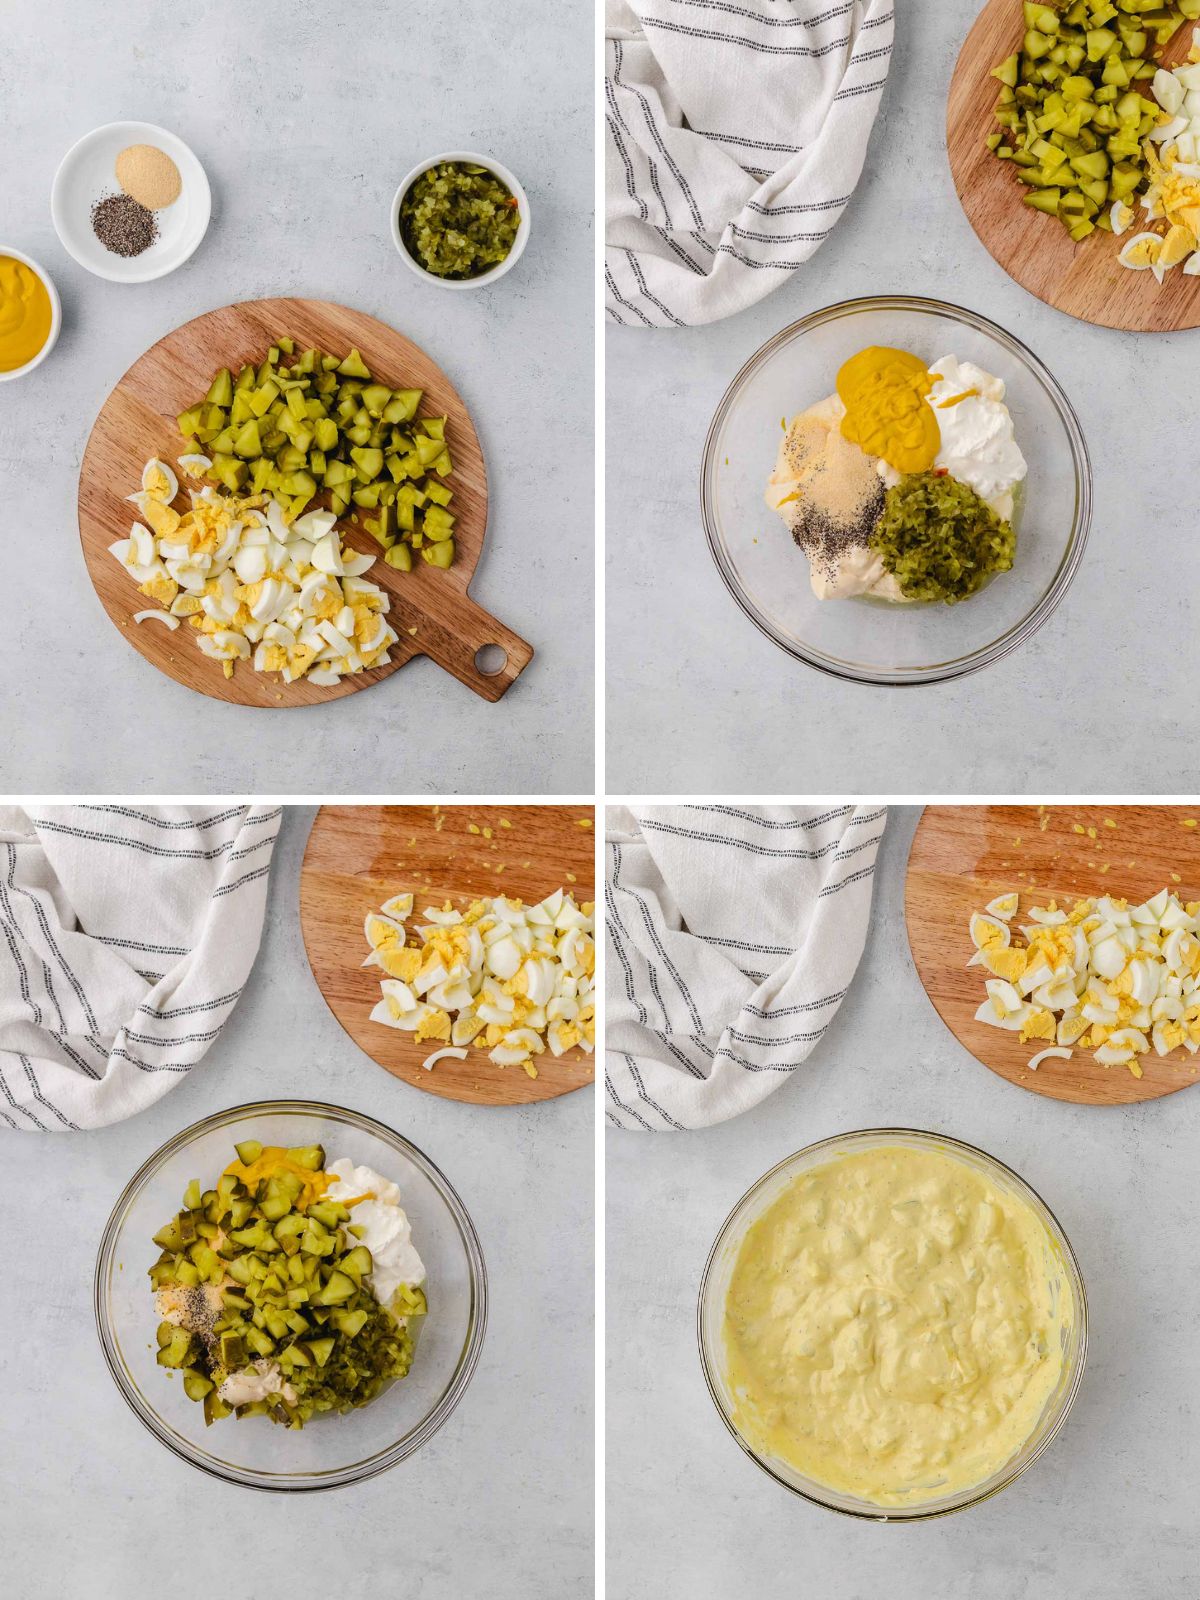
{"x": 1172, "y": 194}
{"x": 1121, "y": 216}
{"x": 1116, "y": 979}
{"x": 511, "y": 979}
{"x": 286, "y": 595}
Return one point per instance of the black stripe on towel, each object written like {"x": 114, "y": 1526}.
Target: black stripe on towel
{"x": 795, "y": 1011}
{"x": 628, "y": 165}
{"x": 653, "y": 299}
{"x": 184, "y": 1038}
{"x": 628, "y": 1110}
{"x": 31, "y": 1079}
{"x": 782, "y": 238}
{"x": 787, "y": 211}
{"x": 810, "y": 52}
{"x": 648, "y": 1099}
{"x": 135, "y": 844}
{"x": 614, "y": 922}
{"x": 648, "y": 920}
{"x": 620, "y": 298}
{"x": 786, "y": 824}
{"x": 740, "y": 844}
{"x": 136, "y": 944}
{"x": 791, "y": 1038}
{"x": 165, "y": 823}
{"x": 855, "y": 877}
{"x": 44, "y": 925}
{"x": 633, "y": 89}
{"x": 191, "y": 1011}
{"x": 741, "y": 944}
{"x": 38, "y": 1124}
{"x": 771, "y": 22}
{"x": 249, "y": 877}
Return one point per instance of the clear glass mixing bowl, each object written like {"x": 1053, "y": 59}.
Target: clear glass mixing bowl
{"x": 714, "y": 1288}
{"x": 330, "y": 1450}
{"x": 873, "y": 641}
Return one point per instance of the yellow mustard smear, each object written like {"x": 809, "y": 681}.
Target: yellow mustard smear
{"x": 895, "y": 1325}
{"x": 25, "y": 313}
{"x": 887, "y": 410}
{"x": 273, "y": 1161}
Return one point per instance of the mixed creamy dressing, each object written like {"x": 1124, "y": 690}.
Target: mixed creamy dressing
{"x": 894, "y": 1325}
{"x": 978, "y": 447}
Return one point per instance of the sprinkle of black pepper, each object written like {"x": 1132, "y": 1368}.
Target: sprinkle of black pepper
{"x": 123, "y": 226}
{"x": 825, "y": 541}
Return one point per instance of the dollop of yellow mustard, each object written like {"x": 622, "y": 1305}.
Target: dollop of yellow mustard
{"x": 25, "y": 313}
{"x": 273, "y": 1161}
{"x": 887, "y": 411}
{"x": 895, "y": 1324}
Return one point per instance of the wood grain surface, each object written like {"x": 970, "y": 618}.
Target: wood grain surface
{"x": 1085, "y": 280}
{"x": 964, "y": 856}
{"x": 359, "y": 856}
{"x": 431, "y": 609}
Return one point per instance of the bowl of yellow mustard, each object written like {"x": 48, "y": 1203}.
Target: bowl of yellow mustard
{"x": 892, "y": 1324}
{"x": 30, "y": 313}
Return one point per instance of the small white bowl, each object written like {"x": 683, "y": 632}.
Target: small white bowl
{"x": 501, "y": 267}
{"x": 88, "y": 172}
{"x": 55, "y": 312}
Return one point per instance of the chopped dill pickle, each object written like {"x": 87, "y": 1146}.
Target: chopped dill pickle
{"x": 458, "y": 220}
{"x": 939, "y": 539}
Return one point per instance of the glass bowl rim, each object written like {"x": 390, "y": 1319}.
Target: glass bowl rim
{"x": 466, "y": 1364}
{"x": 972, "y": 1496}
{"x": 1047, "y": 603}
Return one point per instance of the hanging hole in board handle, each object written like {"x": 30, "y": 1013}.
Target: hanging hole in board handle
{"x": 491, "y": 659}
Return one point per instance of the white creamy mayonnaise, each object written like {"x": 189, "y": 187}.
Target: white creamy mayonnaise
{"x": 385, "y": 1228}
{"x": 256, "y": 1382}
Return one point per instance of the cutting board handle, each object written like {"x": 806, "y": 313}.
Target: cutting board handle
{"x": 458, "y": 633}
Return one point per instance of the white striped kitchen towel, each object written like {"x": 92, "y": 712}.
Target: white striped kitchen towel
{"x": 737, "y": 131}
{"x": 126, "y": 936}
{"x": 733, "y": 935}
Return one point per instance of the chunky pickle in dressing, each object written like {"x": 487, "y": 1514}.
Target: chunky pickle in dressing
{"x": 894, "y": 1325}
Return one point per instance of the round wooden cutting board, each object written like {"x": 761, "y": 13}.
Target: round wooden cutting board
{"x": 1085, "y": 280}
{"x": 964, "y": 856}
{"x": 431, "y": 609}
{"x": 359, "y": 856}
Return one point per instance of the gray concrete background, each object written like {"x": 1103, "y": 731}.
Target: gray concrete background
{"x": 751, "y": 720}
{"x": 499, "y": 1503}
{"x": 306, "y": 117}
{"x": 1108, "y": 1512}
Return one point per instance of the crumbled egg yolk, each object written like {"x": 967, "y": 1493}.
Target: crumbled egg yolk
{"x": 1113, "y": 978}
{"x": 511, "y": 979}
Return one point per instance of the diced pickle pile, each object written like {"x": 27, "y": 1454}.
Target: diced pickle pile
{"x": 286, "y": 1283}
{"x": 1075, "y": 105}
{"x": 308, "y": 423}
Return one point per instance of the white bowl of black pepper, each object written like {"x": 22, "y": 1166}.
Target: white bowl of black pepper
{"x": 130, "y": 202}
